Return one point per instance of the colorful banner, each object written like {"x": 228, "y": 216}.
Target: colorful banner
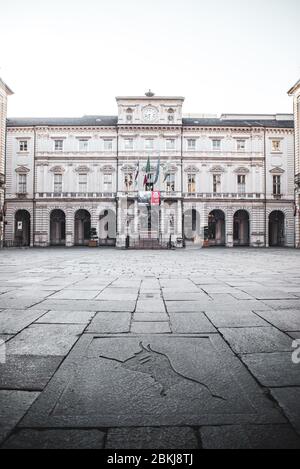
{"x": 155, "y": 198}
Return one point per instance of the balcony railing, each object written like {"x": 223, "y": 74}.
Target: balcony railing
{"x": 223, "y": 195}
{"x": 75, "y": 195}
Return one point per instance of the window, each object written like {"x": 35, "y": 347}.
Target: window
{"x": 149, "y": 144}
{"x": 241, "y": 181}
{"x": 191, "y": 183}
{"x": 107, "y": 183}
{"x": 276, "y": 185}
{"x": 58, "y": 145}
{"x": 128, "y": 181}
{"x": 108, "y": 144}
{"x": 276, "y": 145}
{"x": 83, "y": 144}
{"x": 128, "y": 144}
{"x": 241, "y": 145}
{"x": 170, "y": 144}
{"x": 23, "y": 145}
{"x": 191, "y": 144}
{"x": 82, "y": 183}
{"x": 216, "y": 143}
{"x": 216, "y": 183}
{"x": 57, "y": 183}
{"x": 22, "y": 183}
{"x": 170, "y": 183}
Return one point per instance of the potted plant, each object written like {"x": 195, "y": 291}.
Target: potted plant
{"x": 93, "y": 242}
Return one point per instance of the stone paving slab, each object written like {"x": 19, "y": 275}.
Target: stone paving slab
{"x": 13, "y": 405}
{"x": 25, "y": 372}
{"x": 153, "y": 327}
{"x": 45, "y": 339}
{"x": 273, "y": 369}
{"x": 232, "y": 318}
{"x": 152, "y": 438}
{"x": 75, "y": 295}
{"x": 13, "y": 321}
{"x": 150, "y": 306}
{"x": 286, "y": 320}
{"x": 55, "y": 439}
{"x": 110, "y": 323}
{"x": 145, "y": 317}
{"x": 256, "y": 340}
{"x": 88, "y": 305}
{"x": 249, "y": 437}
{"x": 190, "y": 323}
{"x": 289, "y": 401}
{"x": 66, "y": 317}
{"x": 151, "y": 381}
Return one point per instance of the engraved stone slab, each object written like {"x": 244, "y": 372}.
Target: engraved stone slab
{"x": 151, "y": 380}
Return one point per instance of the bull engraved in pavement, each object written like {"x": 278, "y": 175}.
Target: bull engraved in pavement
{"x": 159, "y": 367}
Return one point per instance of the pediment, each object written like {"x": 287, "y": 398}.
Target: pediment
{"x": 277, "y": 170}
{"x": 57, "y": 169}
{"x": 191, "y": 169}
{"x": 22, "y": 169}
{"x": 82, "y": 169}
{"x": 108, "y": 169}
{"x": 241, "y": 170}
{"x": 217, "y": 169}
{"x": 128, "y": 168}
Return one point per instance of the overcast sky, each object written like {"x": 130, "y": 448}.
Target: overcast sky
{"x": 72, "y": 57}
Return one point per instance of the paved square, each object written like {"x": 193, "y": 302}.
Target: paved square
{"x": 142, "y": 347}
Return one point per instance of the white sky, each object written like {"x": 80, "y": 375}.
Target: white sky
{"x": 72, "y": 57}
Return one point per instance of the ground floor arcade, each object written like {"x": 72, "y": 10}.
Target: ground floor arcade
{"x": 125, "y": 223}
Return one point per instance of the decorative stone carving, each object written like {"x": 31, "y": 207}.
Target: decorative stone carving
{"x": 22, "y": 169}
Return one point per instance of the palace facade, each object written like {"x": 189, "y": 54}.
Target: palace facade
{"x": 4, "y": 92}
{"x": 225, "y": 181}
{"x": 295, "y": 92}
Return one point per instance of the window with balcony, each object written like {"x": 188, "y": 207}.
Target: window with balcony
{"x": 216, "y": 144}
{"x": 83, "y": 144}
{"x": 23, "y": 145}
{"x": 191, "y": 183}
{"x": 149, "y": 144}
{"x": 241, "y": 183}
{"x": 57, "y": 183}
{"x": 276, "y": 146}
{"x": 191, "y": 144}
{"x": 108, "y": 145}
{"x": 58, "y": 145}
{"x": 170, "y": 144}
{"x": 241, "y": 145}
{"x": 216, "y": 183}
{"x": 128, "y": 181}
{"x": 82, "y": 183}
{"x": 170, "y": 183}
{"x": 107, "y": 183}
{"x": 128, "y": 144}
{"x": 22, "y": 186}
{"x": 277, "y": 185}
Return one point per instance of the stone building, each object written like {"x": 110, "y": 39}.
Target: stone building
{"x": 221, "y": 181}
{"x": 295, "y": 92}
{"x": 4, "y": 92}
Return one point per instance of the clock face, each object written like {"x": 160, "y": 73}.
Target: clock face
{"x": 150, "y": 114}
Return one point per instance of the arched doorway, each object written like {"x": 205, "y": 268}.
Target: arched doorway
{"x": 276, "y": 228}
{"x": 191, "y": 224}
{"x": 82, "y": 227}
{"x": 107, "y": 228}
{"x": 22, "y": 228}
{"x": 241, "y": 228}
{"x": 216, "y": 228}
{"x": 57, "y": 228}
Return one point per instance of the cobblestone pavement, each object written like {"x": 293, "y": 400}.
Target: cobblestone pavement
{"x": 149, "y": 349}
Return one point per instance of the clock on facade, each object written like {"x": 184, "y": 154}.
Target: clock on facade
{"x": 150, "y": 114}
